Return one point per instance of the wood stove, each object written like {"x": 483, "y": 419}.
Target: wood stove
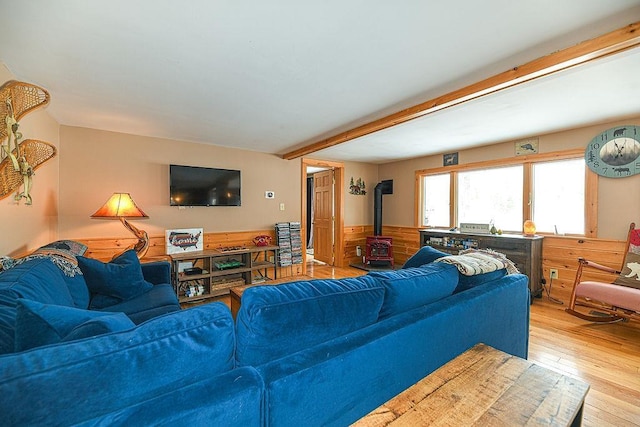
{"x": 379, "y": 248}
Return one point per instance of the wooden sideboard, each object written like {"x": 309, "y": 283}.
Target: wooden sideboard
{"x": 524, "y": 252}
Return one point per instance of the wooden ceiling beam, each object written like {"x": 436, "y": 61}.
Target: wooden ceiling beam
{"x": 608, "y": 44}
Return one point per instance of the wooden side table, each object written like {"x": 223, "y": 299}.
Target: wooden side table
{"x": 485, "y": 387}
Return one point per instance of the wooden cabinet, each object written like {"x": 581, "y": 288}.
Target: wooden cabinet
{"x": 524, "y": 252}
{"x": 221, "y": 270}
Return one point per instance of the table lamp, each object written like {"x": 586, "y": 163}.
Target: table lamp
{"x": 121, "y": 206}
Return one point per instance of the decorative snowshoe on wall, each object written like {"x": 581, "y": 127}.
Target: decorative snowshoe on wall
{"x": 18, "y": 159}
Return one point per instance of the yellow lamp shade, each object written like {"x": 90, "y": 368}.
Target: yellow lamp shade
{"x": 529, "y": 228}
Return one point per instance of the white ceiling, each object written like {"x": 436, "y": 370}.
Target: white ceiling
{"x": 275, "y": 76}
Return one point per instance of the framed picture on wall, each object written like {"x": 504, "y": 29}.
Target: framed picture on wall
{"x": 450, "y": 159}
{"x": 184, "y": 240}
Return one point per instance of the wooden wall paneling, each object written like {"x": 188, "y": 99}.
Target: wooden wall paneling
{"x": 562, "y": 253}
{"x": 355, "y": 236}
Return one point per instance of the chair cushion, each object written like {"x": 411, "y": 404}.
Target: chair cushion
{"x": 410, "y": 288}
{"x": 276, "y": 320}
{"x": 425, "y": 255}
{"x": 115, "y": 281}
{"x": 619, "y": 296}
{"x": 40, "y": 324}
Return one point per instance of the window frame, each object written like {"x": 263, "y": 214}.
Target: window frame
{"x": 591, "y": 186}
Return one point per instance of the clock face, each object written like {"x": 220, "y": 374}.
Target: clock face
{"x": 615, "y": 153}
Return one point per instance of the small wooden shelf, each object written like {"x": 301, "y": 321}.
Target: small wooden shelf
{"x": 256, "y": 263}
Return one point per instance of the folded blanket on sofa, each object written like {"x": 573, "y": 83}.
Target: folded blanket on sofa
{"x": 472, "y": 262}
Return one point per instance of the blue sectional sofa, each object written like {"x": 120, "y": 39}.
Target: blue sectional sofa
{"x": 318, "y": 352}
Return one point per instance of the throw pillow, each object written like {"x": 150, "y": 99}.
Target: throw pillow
{"x": 425, "y": 255}
{"x": 410, "y": 288}
{"x": 630, "y": 275}
{"x": 115, "y": 281}
{"x": 40, "y": 324}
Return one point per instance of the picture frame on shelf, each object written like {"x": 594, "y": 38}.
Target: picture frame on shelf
{"x": 184, "y": 240}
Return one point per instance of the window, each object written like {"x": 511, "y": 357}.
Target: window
{"x": 558, "y": 196}
{"x": 491, "y": 196}
{"x": 436, "y": 200}
{"x": 555, "y": 190}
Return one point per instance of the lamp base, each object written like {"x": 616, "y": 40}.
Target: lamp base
{"x": 142, "y": 246}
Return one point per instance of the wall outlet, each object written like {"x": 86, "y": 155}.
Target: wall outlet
{"x": 553, "y": 273}
{"x": 358, "y": 251}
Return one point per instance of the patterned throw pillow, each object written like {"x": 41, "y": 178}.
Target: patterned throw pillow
{"x": 630, "y": 275}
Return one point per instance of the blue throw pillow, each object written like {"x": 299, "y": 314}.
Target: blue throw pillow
{"x": 40, "y": 324}
{"x": 425, "y": 255}
{"x": 115, "y": 281}
{"x": 410, "y": 288}
{"x": 468, "y": 282}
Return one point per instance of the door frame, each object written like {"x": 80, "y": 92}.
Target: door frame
{"x": 338, "y": 203}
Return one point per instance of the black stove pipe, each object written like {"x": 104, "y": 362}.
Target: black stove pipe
{"x": 383, "y": 187}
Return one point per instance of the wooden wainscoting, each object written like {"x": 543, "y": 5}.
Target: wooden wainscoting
{"x": 355, "y": 236}
{"x": 559, "y": 252}
{"x": 104, "y": 248}
{"x": 406, "y": 242}
{"x": 562, "y": 253}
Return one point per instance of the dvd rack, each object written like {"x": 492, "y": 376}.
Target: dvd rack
{"x": 289, "y": 240}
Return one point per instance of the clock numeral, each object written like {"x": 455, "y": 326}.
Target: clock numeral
{"x": 595, "y": 145}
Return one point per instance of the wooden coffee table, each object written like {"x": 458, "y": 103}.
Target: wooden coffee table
{"x": 485, "y": 387}
{"x": 235, "y": 296}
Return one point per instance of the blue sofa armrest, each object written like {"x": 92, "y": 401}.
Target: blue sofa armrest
{"x": 157, "y": 272}
{"x": 234, "y": 398}
{"x": 74, "y": 382}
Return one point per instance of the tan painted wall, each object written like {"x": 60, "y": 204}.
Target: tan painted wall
{"x": 359, "y": 209}
{"x": 25, "y": 227}
{"x": 98, "y": 163}
{"x": 619, "y": 199}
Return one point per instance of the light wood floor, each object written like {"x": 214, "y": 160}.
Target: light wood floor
{"x": 607, "y": 356}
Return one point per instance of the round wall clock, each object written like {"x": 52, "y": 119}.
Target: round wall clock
{"x": 615, "y": 152}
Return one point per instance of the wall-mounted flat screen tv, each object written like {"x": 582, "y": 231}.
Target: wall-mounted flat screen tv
{"x": 198, "y": 186}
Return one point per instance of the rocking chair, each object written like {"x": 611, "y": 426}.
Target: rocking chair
{"x": 610, "y": 302}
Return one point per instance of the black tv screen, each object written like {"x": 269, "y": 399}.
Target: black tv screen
{"x": 198, "y": 186}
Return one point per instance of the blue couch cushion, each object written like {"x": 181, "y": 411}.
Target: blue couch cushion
{"x": 160, "y": 299}
{"x": 468, "y": 282}
{"x": 40, "y": 324}
{"x": 115, "y": 370}
{"x": 115, "y": 281}
{"x": 38, "y": 280}
{"x": 274, "y": 321}
{"x": 410, "y": 288}
{"x": 425, "y": 255}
